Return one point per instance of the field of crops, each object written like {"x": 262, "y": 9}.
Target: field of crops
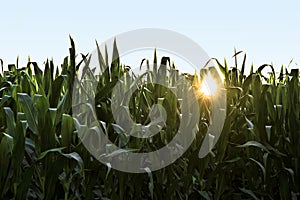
{"x": 42, "y": 157}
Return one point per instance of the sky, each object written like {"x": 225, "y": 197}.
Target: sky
{"x": 268, "y": 31}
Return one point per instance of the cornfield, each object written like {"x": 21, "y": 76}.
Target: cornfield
{"x": 43, "y": 157}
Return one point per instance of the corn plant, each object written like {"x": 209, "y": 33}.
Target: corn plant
{"x": 43, "y": 157}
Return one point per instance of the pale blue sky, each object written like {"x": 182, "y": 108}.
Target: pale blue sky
{"x": 267, "y": 31}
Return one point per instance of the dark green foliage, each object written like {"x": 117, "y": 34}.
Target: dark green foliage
{"x": 41, "y": 156}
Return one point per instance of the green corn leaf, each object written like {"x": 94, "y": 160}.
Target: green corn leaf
{"x": 10, "y": 121}
{"x": 66, "y": 130}
{"x": 253, "y": 144}
{"x": 45, "y": 153}
{"x": 29, "y": 111}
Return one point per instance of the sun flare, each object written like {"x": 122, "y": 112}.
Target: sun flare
{"x": 209, "y": 86}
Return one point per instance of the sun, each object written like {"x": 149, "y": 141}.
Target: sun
{"x": 209, "y": 86}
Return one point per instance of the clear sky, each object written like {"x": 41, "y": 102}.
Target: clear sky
{"x": 268, "y": 31}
